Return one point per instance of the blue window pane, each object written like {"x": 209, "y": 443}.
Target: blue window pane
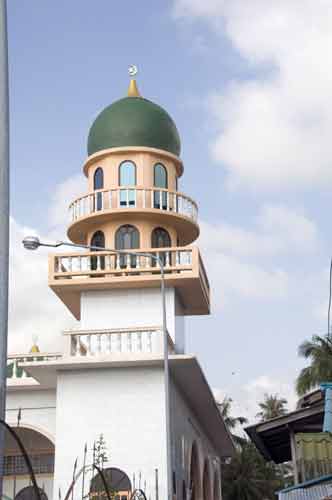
{"x": 127, "y": 198}
{"x": 98, "y": 179}
{"x": 160, "y": 180}
{"x": 127, "y": 238}
{"x": 127, "y": 174}
{"x": 97, "y": 240}
{"x": 160, "y": 176}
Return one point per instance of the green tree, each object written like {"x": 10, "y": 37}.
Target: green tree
{"x": 319, "y": 351}
{"x": 248, "y": 477}
{"x": 225, "y": 408}
{"x": 272, "y": 407}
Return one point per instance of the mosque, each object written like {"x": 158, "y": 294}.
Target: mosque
{"x": 162, "y": 428}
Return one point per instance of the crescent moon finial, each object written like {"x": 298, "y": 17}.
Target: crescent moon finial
{"x": 132, "y": 70}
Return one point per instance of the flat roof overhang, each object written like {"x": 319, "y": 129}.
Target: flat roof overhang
{"x": 272, "y": 438}
{"x": 185, "y": 370}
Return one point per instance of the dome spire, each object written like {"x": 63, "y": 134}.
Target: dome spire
{"x": 133, "y": 89}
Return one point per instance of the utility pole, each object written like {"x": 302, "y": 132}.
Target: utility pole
{"x": 4, "y": 220}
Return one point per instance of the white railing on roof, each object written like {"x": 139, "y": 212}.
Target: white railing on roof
{"x": 16, "y": 372}
{"x": 148, "y": 340}
{"x": 133, "y": 197}
{"x": 104, "y": 263}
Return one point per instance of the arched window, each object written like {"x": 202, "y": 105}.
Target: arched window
{"x": 127, "y": 177}
{"x": 127, "y": 238}
{"x": 28, "y": 493}
{"x": 160, "y": 176}
{"x": 98, "y": 240}
{"x": 184, "y": 491}
{"x": 195, "y": 478}
{"x": 98, "y": 179}
{"x": 207, "y": 493}
{"x": 98, "y": 183}
{"x": 117, "y": 481}
{"x": 160, "y": 238}
{"x": 160, "y": 181}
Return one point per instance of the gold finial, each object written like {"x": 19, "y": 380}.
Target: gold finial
{"x": 133, "y": 90}
{"x": 34, "y": 347}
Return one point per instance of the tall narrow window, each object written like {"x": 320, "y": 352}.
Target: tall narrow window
{"x": 161, "y": 239}
{"x": 98, "y": 179}
{"x": 160, "y": 181}
{"x": 98, "y": 240}
{"x": 127, "y": 177}
{"x": 98, "y": 183}
{"x": 127, "y": 238}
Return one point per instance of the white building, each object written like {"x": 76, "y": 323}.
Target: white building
{"x": 109, "y": 379}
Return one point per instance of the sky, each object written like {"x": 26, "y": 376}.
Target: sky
{"x": 249, "y": 85}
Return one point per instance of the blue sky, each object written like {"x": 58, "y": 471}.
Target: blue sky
{"x": 250, "y": 91}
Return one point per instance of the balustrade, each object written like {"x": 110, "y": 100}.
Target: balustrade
{"x": 175, "y": 260}
{"x": 105, "y": 342}
{"x": 133, "y": 197}
{"x": 15, "y": 371}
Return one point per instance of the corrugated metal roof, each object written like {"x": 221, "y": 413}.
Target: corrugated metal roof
{"x": 314, "y": 446}
{"x": 318, "y": 492}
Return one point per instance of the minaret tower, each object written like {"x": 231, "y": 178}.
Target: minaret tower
{"x": 110, "y": 379}
{"x": 133, "y": 202}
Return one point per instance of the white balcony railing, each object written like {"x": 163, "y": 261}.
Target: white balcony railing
{"x": 71, "y": 265}
{"x": 16, "y": 372}
{"x": 133, "y": 197}
{"x": 116, "y": 341}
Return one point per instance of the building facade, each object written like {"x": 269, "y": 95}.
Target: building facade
{"x": 110, "y": 380}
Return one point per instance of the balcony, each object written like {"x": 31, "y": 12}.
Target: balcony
{"x": 16, "y": 375}
{"x": 101, "y": 203}
{"x": 71, "y": 273}
{"x": 116, "y": 342}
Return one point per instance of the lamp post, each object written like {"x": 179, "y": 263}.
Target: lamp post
{"x": 4, "y": 220}
{"x": 33, "y": 242}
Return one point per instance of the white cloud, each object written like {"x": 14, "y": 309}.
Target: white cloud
{"x": 255, "y": 390}
{"x": 277, "y": 229}
{"x": 230, "y": 275}
{"x": 275, "y": 129}
{"x": 246, "y": 398}
{"x": 64, "y": 194}
{"x": 34, "y": 310}
{"x": 240, "y": 260}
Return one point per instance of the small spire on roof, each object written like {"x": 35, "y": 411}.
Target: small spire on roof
{"x": 34, "y": 347}
{"x": 133, "y": 89}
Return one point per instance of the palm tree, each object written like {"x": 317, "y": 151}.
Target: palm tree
{"x": 225, "y": 410}
{"x": 272, "y": 407}
{"x": 319, "y": 352}
{"x": 248, "y": 477}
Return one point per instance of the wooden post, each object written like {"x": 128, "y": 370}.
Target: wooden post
{"x": 294, "y": 455}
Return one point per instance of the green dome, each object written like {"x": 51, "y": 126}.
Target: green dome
{"x": 134, "y": 121}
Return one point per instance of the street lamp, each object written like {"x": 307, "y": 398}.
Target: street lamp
{"x": 33, "y": 243}
{"x": 4, "y": 220}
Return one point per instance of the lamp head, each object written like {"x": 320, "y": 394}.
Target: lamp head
{"x": 31, "y": 242}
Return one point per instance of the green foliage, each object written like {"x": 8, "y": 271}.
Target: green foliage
{"x": 101, "y": 452}
{"x": 225, "y": 410}
{"x": 248, "y": 477}
{"x": 272, "y": 407}
{"x": 319, "y": 352}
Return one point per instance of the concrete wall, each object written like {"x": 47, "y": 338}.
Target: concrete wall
{"x": 127, "y": 406}
{"x": 132, "y": 308}
{"x": 186, "y": 430}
